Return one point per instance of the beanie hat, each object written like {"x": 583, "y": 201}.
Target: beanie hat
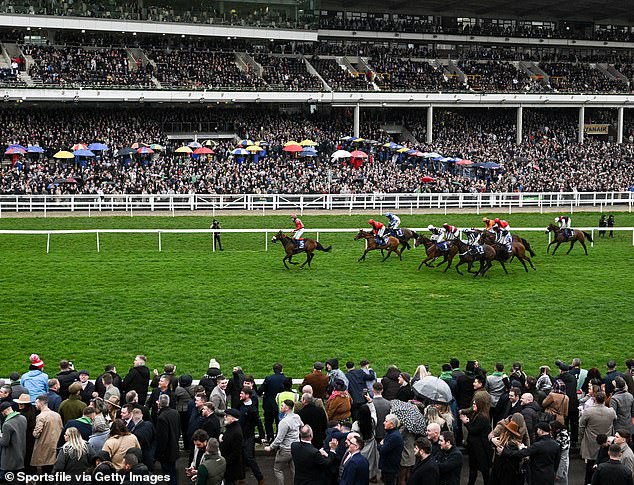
{"x": 213, "y": 363}
{"x": 36, "y": 361}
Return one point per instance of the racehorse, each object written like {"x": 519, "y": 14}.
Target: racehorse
{"x": 391, "y": 246}
{"x": 407, "y": 234}
{"x": 517, "y": 251}
{"x": 466, "y": 256}
{"x": 310, "y": 245}
{"x": 434, "y": 253}
{"x": 560, "y": 237}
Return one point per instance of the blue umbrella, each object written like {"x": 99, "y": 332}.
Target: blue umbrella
{"x": 308, "y": 153}
{"x": 240, "y": 151}
{"x": 83, "y": 153}
{"x": 18, "y": 146}
{"x": 35, "y": 149}
{"x": 490, "y": 165}
{"x": 97, "y": 147}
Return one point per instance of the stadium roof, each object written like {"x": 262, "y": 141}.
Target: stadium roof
{"x": 614, "y": 11}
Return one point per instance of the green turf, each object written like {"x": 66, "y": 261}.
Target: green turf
{"x": 186, "y": 305}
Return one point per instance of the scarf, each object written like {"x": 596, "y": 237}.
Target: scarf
{"x": 337, "y": 393}
{"x": 446, "y": 375}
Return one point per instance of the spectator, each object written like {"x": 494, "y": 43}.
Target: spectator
{"x": 599, "y": 419}
{"x": 137, "y": 379}
{"x": 48, "y": 428}
{"x": 74, "y": 457}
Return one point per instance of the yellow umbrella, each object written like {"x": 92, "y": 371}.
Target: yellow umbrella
{"x": 289, "y": 143}
{"x": 403, "y": 150}
{"x": 208, "y": 143}
{"x": 254, "y": 148}
{"x": 308, "y": 143}
{"x": 358, "y": 140}
{"x": 183, "y": 150}
{"x": 63, "y": 154}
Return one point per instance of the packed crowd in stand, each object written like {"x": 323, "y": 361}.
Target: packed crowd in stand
{"x": 549, "y": 160}
{"x": 340, "y": 426}
{"x": 77, "y": 66}
{"x": 193, "y": 69}
{"x": 220, "y": 64}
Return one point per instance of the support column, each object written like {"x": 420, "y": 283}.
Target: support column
{"x": 357, "y": 112}
{"x": 619, "y": 127}
{"x": 582, "y": 119}
{"x": 430, "y": 125}
{"x": 519, "y": 125}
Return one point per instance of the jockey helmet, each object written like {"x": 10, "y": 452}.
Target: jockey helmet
{"x": 371, "y": 222}
{"x": 388, "y": 214}
{"x": 294, "y": 216}
{"x": 430, "y": 227}
{"x": 486, "y": 219}
{"x": 497, "y": 220}
{"x": 557, "y": 219}
{"x": 445, "y": 225}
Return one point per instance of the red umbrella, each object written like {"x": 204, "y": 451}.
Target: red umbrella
{"x": 358, "y": 154}
{"x": 293, "y": 148}
{"x": 203, "y": 151}
{"x": 426, "y": 179}
{"x": 464, "y": 162}
{"x": 145, "y": 150}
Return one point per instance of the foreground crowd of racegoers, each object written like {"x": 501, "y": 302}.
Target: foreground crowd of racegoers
{"x": 549, "y": 160}
{"x": 336, "y": 427}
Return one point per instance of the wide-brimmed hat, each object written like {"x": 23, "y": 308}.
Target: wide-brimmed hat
{"x": 513, "y": 428}
{"x": 114, "y": 400}
{"x": 23, "y": 399}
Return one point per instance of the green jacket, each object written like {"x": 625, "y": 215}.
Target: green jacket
{"x": 72, "y": 408}
{"x": 211, "y": 470}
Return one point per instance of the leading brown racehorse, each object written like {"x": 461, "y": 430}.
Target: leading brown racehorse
{"x": 518, "y": 250}
{"x": 391, "y": 246}
{"x": 560, "y": 238}
{"x": 310, "y": 245}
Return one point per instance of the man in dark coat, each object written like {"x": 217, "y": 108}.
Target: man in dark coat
{"x": 144, "y": 432}
{"x": 66, "y": 377}
{"x": 612, "y": 472}
{"x": 231, "y": 447}
{"x": 390, "y": 451}
{"x": 449, "y": 460}
{"x": 315, "y": 417}
{"x": 310, "y": 463}
{"x": 425, "y": 470}
{"x": 138, "y": 379}
{"x": 544, "y": 456}
{"x": 572, "y": 420}
{"x": 163, "y": 389}
{"x": 356, "y": 469}
{"x": 100, "y": 387}
{"x": 390, "y": 383}
{"x": 87, "y": 387}
{"x": 270, "y": 388}
{"x": 168, "y": 430}
{"x": 249, "y": 422}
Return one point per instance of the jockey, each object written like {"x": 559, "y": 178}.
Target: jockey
{"x": 299, "y": 230}
{"x": 503, "y": 238}
{"x": 501, "y": 224}
{"x": 564, "y": 223}
{"x": 473, "y": 241}
{"x": 488, "y": 224}
{"x": 435, "y": 232}
{"x": 378, "y": 229}
{"x": 393, "y": 224}
{"x": 448, "y": 233}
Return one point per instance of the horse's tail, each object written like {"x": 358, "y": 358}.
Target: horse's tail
{"x": 588, "y": 236}
{"x": 321, "y": 248}
{"x": 527, "y": 245}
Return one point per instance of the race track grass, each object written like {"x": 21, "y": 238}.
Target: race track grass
{"x": 187, "y": 304}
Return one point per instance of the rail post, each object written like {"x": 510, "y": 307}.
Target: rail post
{"x": 160, "y": 243}
{"x": 592, "y": 243}
{"x": 98, "y": 249}
{"x": 266, "y": 241}
{"x": 48, "y": 242}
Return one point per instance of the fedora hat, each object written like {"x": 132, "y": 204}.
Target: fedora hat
{"x": 23, "y": 399}
{"x": 513, "y": 428}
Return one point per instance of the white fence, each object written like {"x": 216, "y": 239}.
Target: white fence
{"x": 296, "y": 202}
{"x": 265, "y": 232}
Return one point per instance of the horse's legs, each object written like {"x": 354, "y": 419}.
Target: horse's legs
{"x": 400, "y": 253}
{"x": 503, "y": 266}
{"x": 458, "y": 270}
{"x": 556, "y": 247}
{"x": 550, "y": 244}
{"x": 449, "y": 261}
{"x": 284, "y": 261}
{"x": 523, "y": 263}
{"x": 388, "y": 254}
{"x": 572, "y": 244}
{"x": 362, "y": 258}
{"x": 470, "y": 267}
{"x": 444, "y": 260}
{"x": 584, "y": 246}
{"x": 309, "y": 256}
{"x": 530, "y": 261}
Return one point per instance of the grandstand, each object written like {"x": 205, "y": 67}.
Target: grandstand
{"x": 541, "y": 91}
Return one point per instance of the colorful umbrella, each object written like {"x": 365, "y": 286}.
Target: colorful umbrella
{"x": 291, "y": 143}
{"x": 63, "y": 154}
{"x": 409, "y": 416}
{"x": 293, "y": 148}
{"x": 203, "y": 151}
{"x": 240, "y": 151}
{"x": 183, "y": 150}
{"x": 245, "y": 143}
{"x": 254, "y": 148}
{"x": 346, "y": 138}
{"x": 426, "y": 179}
{"x": 79, "y": 146}
{"x": 358, "y": 140}
{"x": 308, "y": 143}
{"x": 98, "y": 147}
{"x": 416, "y": 153}
{"x": 403, "y": 150}
{"x": 145, "y": 151}
{"x": 209, "y": 143}
{"x": 464, "y": 162}
{"x": 14, "y": 151}
{"x": 262, "y": 143}
{"x": 83, "y": 153}
{"x": 17, "y": 145}
{"x": 392, "y": 146}
{"x": 156, "y": 147}
{"x": 308, "y": 153}
{"x": 35, "y": 149}
{"x": 194, "y": 144}
{"x": 358, "y": 154}
{"x": 125, "y": 151}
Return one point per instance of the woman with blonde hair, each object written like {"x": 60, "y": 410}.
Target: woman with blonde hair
{"x": 444, "y": 411}
{"x": 119, "y": 442}
{"x": 507, "y": 469}
{"x": 420, "y": 374}
{"x": 74, "y": 457}
{"x": 433, "y": 416}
